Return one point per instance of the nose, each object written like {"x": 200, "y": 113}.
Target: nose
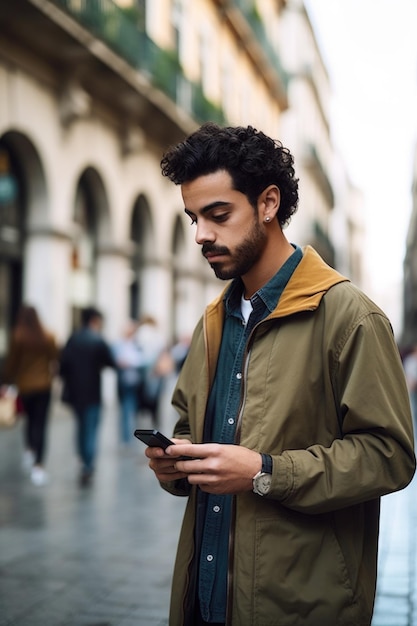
{"x": 204, "y": 233}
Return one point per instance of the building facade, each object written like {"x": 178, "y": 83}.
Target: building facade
{"x": 92, "y": 92}
{"x": 330, "y": 217}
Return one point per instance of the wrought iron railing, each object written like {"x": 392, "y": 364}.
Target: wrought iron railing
{"x": 110, "y": 23}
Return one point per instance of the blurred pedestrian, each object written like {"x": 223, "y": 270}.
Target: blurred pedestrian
{"x": 83, "y": 359}
{"x": 152, "y": 344}
{"x": 410, "y": 369}
{"x": 129, "y": 358}
{"x": 179, "y": 352}
{"x": 31, "y": 363}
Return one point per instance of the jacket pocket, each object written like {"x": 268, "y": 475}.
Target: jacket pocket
{"x": 300, "y": 573}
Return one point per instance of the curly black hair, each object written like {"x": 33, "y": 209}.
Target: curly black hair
{"x": 253, "y": 160}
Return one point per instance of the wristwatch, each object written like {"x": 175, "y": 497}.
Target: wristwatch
{"x": 262, "y": 480}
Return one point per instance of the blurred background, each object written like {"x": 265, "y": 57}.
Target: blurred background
{"x": 92, "y": 92}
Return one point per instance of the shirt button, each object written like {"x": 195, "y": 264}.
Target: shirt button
{"x": 239, "y": 375}
{"x": 209, "y": 558}
{"x": 231, "y": 420}
{"x": 216, "y": 508}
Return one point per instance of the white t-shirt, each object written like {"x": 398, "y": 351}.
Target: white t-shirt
{"x": 246, "y": 308}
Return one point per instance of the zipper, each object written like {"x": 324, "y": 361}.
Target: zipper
{"x": 246, "y": 359}
{"x": 230, "y": 561}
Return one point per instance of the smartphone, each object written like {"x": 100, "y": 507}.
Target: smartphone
{"x": 155, "y": 439}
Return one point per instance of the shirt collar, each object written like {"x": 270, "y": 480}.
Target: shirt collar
{"x": 268, "y": 293}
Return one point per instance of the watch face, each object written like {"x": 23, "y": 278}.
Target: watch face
{"x": 262, "y": 483}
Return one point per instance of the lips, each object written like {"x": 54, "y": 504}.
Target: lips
{"x": 211, "y": 256}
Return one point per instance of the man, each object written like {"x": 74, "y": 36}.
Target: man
{"x": 83, "y": 358}
{"x": 294, "y": 399}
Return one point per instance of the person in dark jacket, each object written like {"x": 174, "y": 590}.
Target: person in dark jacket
{"x": 83, "y": 358}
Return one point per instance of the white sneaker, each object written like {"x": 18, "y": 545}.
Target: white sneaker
{"x": 38, "y": 476}
{"x": 28, "y": 460}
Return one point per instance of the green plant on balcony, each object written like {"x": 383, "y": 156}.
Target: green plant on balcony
{"x": 135, "y": 15}
{"x": 165, "y": 69}
{"x": 204, "y": 109}
{"x": 120, "y": 29}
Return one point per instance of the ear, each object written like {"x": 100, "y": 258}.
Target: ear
{"x": 268, "y": 203}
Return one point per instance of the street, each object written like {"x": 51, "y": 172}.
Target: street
{"x": 103, "y": 556}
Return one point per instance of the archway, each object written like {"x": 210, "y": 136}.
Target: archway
{"x": 23, "y": 203}
{"x": 142, "y": 236}
{"x": 90, "y": 229}
{"x": 179, "y": 280}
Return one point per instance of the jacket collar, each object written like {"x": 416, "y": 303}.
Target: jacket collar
{"x": 303, "y": 292}
{"x": 308, "y": 284}
{"x": 310, "y": 281}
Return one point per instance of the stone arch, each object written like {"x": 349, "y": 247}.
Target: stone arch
{"x": 179, "y": 243}
{"x": 27, "y": 158}
{"x": 188, "y": 278}
{"x": 91, "y": 237}
{"x": 179, "y": 285}
{"x": 142, "y": 236}
{"x": 23, "y": 206}
{"x": 92, "y": 182}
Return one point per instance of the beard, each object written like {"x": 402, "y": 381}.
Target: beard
{"x": 243, "y": 258}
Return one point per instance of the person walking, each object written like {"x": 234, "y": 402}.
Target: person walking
{"x": 152, "y": 345}
{"x": 410, "y": 369}
{"x": 292, "y": 403}
{"x": 129, "y": 359}
{"x": 31, "y": 363}
{"x": 83, "y": 359}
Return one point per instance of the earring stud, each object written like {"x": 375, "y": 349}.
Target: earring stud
{"x": 267, "y": 219}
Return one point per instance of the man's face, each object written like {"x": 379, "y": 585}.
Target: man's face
{"x": 227, "y": 225}
{"x": 96, "y": 323}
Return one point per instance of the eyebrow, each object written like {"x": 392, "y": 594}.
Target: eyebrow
{"x": 209, "y": 207}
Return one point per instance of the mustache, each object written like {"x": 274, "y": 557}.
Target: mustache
{"x": 211, "y": 249}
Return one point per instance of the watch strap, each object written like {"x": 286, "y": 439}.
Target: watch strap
{"x": 266, "y": 464}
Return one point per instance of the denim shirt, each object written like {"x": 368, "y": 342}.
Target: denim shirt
{"x": 220, "y": 426}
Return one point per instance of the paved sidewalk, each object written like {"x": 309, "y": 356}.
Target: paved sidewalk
{"x": 397, "y": 582}
{"x": 104, "y": 556}
{"x": 85, "y": 557}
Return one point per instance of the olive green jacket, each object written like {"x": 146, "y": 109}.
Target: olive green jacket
{"x": 324, "y": 393}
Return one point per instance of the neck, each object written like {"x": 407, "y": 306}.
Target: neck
{"x": 277, "y": 251}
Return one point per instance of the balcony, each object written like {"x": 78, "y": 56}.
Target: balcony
{"x": 113, "y": 26}
{"x": 251, "y": 15}
{"x": 314, "y": 162}
{"x": 322, "y": 243}
{"x": 250, "y": 31}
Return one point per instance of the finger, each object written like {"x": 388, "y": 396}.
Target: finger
{"x": 167, "y": 473}
{"x": 166, "y": 478}
{"x": 181, "y": 450}
{"x": 190, "y": 466}
{"x": 154, "y": 453}
{"x": 181, "y": 441}
{"x": 195, "y": 450}
{"x": 162, "y": 466}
